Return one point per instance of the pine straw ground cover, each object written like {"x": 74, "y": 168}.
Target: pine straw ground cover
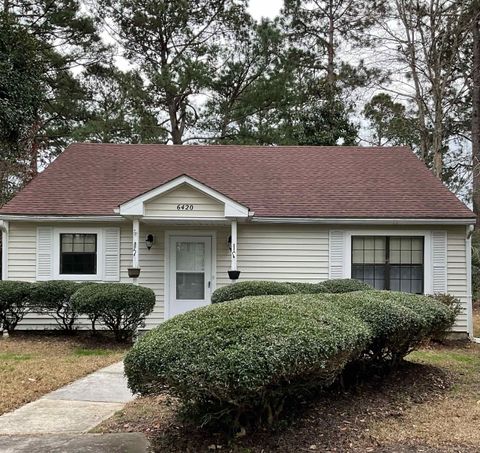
{"x": 430, "y": 404}
{"x": 32, "y": 365}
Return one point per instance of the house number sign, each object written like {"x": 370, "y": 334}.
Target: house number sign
{"x": 184, "y": 207}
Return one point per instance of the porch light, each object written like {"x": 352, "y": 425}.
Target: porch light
{"x": 149, "y": 241}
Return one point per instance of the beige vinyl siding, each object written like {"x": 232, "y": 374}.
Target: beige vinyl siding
{"x": 283, "y": 252}
{"x": 151, "y": 263}
{"x": 265, "y": 252}
{"x": 457, "y": 272}
{"x": 166, "y": 204}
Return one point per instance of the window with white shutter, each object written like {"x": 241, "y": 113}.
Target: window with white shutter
{"x": 111, "y": 268}
{"x": 44, "y": 253}
{"x": 439, "y": 262}
{"x": 336, "y": 254}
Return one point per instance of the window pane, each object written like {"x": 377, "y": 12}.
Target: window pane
{"x": 395, "y": 256}
{"x": 190, "y": 256}
{"x": 78, "y": 263}
{"x": 405, "y": 273}
{"x": 394, "y": 244}
{"x": 379, "y": 256}
{"x": 417, "y": 272}
{"x": 357, "y": 243}
{"x": 357, "y": 256}
{"x": 417, "y": 244}
{"x": 369, "y": 260}
{"x": 369, "y": 257}
{"x": 395, "y": 272}
{"x": 394, "y": 285}
{"x": 406, "y": 256}
{"x": 417, "y": 257}
{"x": 405, "y": 286}
{"x": 417, "y": 286}
{"x": 357, "y": 272}
{"x": 369, "y": 243}
{"x": 190, "y": 286}
{"x": 78, "y": 254}
{"x": 368, "y": 272}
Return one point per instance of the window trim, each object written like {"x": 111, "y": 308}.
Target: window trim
{"x": 387, "y": 264}
{"x": 56, "y": 253}
{"x": 427, "y": 254}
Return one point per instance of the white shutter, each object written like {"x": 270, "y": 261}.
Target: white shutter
{"x": 336, "y": 254}
{"x": 439, "y": 262}
{"x": 44, "y": 253}
{"x": 111, "y": 254}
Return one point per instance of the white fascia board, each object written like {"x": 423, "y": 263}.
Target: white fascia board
{"x": 360, "y": 221}
{"x": 59, "y": 218}
{"x": 135, "y": 207}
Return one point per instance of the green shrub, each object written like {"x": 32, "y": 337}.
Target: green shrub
{"x": 251, "y": 288}
{"x": 268, "y": 288}
{"x": 343, "y": 285}
{"x": 237, "y": 363}
{"x": 15, "y": 303}
{"x": 399, "y": 322}
{"x": 450, "y": 301}
{"x": 437, "y": 317}
{"x": 306, "y": 288}
{"x": 53, "y": 298}
{"x": 121, "y": 307}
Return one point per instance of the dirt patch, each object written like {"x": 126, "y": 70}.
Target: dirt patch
{"x": 32, "y": 365}
{"x": 426, "y": 405}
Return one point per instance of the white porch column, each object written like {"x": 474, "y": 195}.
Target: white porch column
{"x": 234, "y": 245}
{"x": 136, "y": 246}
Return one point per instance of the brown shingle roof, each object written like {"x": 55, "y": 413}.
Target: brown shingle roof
{"x": 289, "y": 181}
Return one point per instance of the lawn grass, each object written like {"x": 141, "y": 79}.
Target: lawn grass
{"x": 34, "y": 364}
{"x": 430, "y": 404}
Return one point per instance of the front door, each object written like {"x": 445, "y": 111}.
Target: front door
{"x": 190, "y": 267}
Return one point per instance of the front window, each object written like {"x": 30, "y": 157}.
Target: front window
{"x": 389, "y": 262}
{"x": 78, "y": 254}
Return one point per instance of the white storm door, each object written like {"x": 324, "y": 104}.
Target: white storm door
{"x": 190, "y": 273}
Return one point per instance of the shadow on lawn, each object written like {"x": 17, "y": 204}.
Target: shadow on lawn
{"x": 336, "y": 420}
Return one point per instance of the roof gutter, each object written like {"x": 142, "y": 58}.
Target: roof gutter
{"x": 361, "y": 221}
{"x": 57, "y": 218}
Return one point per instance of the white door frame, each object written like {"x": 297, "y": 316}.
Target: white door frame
{"x": 186, "y": 233}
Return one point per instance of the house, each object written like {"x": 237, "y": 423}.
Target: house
{"x": 186, "y": 215}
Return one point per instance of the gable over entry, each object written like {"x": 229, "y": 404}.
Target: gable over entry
{"x": 183, "y": 198}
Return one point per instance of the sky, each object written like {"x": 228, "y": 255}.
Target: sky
{"x": 264, "y": 8}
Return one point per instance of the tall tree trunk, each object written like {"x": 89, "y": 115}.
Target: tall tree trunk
{"x": 476, "y": 116}
{"x": 331, "y": 48}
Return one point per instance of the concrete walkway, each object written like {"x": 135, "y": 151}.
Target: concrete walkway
{"x": 73, "y": 409}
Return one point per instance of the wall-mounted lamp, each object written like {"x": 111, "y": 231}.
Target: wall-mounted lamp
{"x": 149, "y": 239}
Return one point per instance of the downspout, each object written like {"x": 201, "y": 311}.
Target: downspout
{"x": 4, "y": 228}
{"x": 468, "y": 253}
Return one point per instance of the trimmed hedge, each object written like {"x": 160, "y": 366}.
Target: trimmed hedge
{"x": 343, "y": 285}
{"x": 121, "y": 307}
{"x": 269, "y": 288}
{"x": 53, "y": 298}
{"x": 251, "y": 288}
{"x": 15, "y": 303}
{"x": 235, "y": 363}
{"x": 399, "y": 322}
